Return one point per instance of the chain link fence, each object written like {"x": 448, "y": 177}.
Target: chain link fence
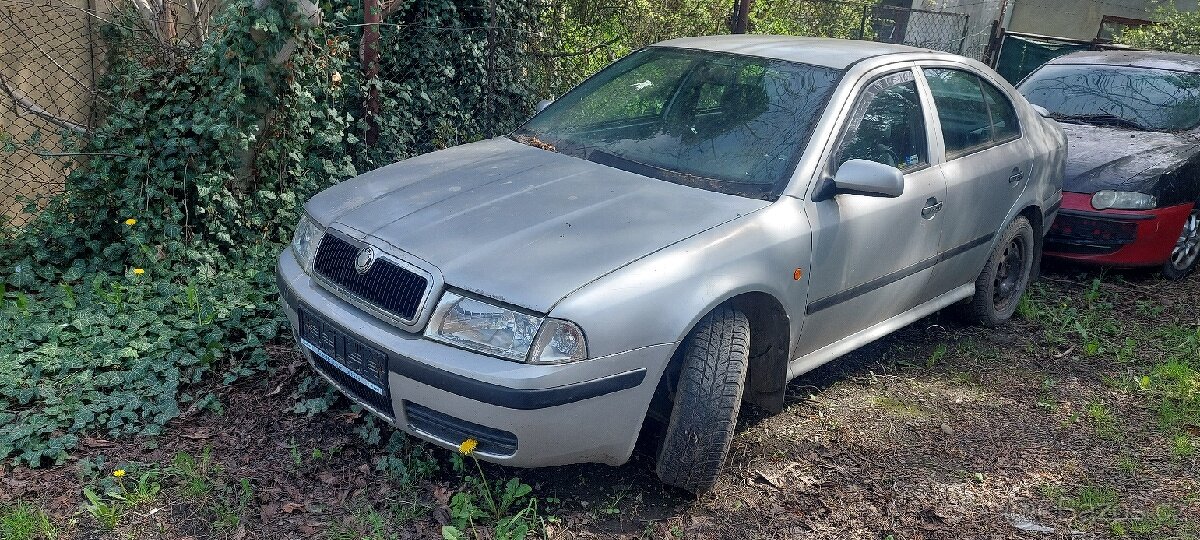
{"x": 52, "y": 58}
{"x": 938, "y": 30}
{"x": 48, "y": 67}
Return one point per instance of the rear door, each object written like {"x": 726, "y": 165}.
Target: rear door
{"x": 988, "y": 164}
{"x": 872, "y": 255}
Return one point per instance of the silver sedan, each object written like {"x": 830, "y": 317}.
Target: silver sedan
{"x": 690, "y": 228}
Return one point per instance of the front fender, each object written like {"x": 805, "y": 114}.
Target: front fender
{"x": 660, "y": 297}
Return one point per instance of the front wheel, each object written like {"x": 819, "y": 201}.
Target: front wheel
{"x": 1006, "y": 275}
{"x": 706, "y": 401}
{"x": 1187, "y": 249}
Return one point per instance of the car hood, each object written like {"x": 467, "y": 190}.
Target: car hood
{"x": 1101, "y": 157}
{"x": 520, "y": 224}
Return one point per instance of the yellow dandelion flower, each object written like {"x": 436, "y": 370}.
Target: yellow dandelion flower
{"x": 131, "y": 222}
{"x": 119, "y": 473}
{"x": 468, "y": 446}
{"x": 138, "y": 271}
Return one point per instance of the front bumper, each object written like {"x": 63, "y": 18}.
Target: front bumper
{"x": 523, "y": 415}
{"x": 1122, "y": 238}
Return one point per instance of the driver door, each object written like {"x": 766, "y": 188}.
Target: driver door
{"x": 873, "y": 255}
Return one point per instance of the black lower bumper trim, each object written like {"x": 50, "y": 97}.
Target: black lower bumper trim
{"x": 513, "y": 398}
{"x": 1080, "y": 247}
{"x": 1112, "y": 216}
{"x": 456, "y": 430}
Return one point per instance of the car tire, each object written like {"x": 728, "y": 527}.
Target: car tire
{"x": 707, "y": 399}
{"x": 999, "y": 287}
{"x": 1186, "y": 252}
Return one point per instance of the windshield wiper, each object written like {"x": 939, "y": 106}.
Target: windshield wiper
{"x": 1103, "y": 119}
{"x": 754, "y": 190}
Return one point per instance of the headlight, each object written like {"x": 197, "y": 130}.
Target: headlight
{"x": 499, "y": 331}
{"x": 1123, "y": 200}
{"x": 305, "y": 241}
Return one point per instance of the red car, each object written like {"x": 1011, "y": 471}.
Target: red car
{"x": 1133, "y": 162}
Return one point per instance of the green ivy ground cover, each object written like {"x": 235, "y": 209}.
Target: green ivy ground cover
{"x": 150, "y": 281}
{"x": 111, "y": 355}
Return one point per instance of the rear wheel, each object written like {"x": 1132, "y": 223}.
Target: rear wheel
{"x": 1006, "y": 275}
{"x": 1187, "y": 249}
{"x": 706, "y": 401}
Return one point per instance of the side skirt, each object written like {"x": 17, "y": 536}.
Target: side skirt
{"x": 815, "y": 359}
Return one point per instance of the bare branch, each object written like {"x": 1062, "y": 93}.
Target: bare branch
{"x": 75, "y": 154}
{"x": 582, "y": 52}
{"x": 198, "y": 26}
{"x": 33, "y": 108}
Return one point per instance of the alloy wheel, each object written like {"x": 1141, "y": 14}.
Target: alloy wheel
{"x": 1187, "y": 248}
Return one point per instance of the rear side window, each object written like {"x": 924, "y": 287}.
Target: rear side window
{"x": 1004, "y": 118}
{"x": 887, "y": 125}
{"x": 973, "y": 114}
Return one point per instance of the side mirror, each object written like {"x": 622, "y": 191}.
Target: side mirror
{"x": 541, "y": 105}
{"x": 1040, "y": 110}
{"x": 869, "y": 178}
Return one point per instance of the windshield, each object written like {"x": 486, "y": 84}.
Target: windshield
{"x": 1137, "y": 98}
{"x": 721, "y": 122}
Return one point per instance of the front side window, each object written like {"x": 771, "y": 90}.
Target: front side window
{"x": 1129, "y": 97}
{"x": 722, "y": 122}
{"x": 962, "y": 111}
{"x": 887, "y": 125}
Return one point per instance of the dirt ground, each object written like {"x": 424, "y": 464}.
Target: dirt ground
{"x": 1041, "y": 428}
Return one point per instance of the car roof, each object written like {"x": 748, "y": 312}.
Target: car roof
{"x": 834, "y": 53}
{"x": 1141, "y": 59}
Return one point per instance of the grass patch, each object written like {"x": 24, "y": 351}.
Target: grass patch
{"x": 115, "y": 496}
{"x": 1090, "y": 500}
{"x": 1084, "y": 324}
{"x": 234, "y": 505}
{"x": 1165, "y": 354}
{"x": 25, "y": 521}
{"x": 193, "y": 474}
{"x": 369, "y": 523}
{"x": 1183, "y": 447}
{"x": 899, "y": 407}
{"x": 1158, "y": 524}
{"x": 1103, "y": 421}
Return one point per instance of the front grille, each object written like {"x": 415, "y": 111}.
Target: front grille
{"x": 389, "y": 287}
{"x": 1087, "y": 235}
{"x": 455, "y": 430}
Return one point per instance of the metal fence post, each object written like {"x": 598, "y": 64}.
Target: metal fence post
{"x": 962, "y": 41}
{"x": 489, "y": 104}
{"x": 741, "y": 16}
{"x": 862, "y": 22}
{"x": 372, "y": 16}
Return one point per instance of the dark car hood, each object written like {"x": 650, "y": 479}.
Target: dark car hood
{"x": 1102, "y": 157}
{"x": 520, "y": 224}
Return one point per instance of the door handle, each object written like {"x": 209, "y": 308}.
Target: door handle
{"x": 932, "y": 206}
{"x": 1016, "y": 176}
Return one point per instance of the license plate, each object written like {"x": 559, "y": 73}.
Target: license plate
{"x": 336, "y": 350}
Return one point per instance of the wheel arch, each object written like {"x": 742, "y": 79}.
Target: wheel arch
{"x": 1034, "y": 214}
{"x": 770, "y": 346}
